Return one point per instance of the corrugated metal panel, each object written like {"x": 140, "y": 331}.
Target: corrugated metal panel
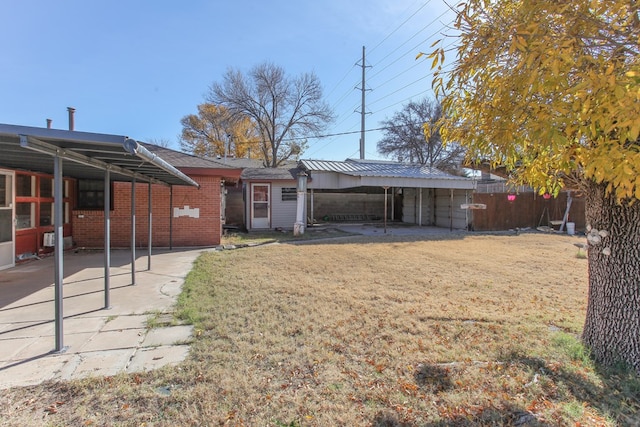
{"x": 91, "y": 151}
{"x": 448, "y": 215}
{"x": 327, "y": 166}
{"x": 410, "y": 204}
{"x": 378, "y": 168}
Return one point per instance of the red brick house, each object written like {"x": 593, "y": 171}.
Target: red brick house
{"x": 184, "y": 209}
{"x": 181, "y": 216}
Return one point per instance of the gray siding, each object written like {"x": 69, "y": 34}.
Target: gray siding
{"x": 283, "y": 214}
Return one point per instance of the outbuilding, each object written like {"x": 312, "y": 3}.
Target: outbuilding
{"x": 375, "y": 189}
{"x": 353, "y": 190}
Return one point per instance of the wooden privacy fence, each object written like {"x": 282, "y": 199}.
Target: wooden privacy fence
{"x": 528, "y": 210}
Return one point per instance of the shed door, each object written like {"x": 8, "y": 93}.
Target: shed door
{"x": 7, "y": 231}
{"x": 260, "y": 205}
{"x": 447, "y": 209}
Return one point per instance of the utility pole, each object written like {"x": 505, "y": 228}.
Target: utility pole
{"x": 362, "y": 108}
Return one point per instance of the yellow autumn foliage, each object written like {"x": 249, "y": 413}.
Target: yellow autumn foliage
{"x": 214, "y": 131}
{"x": 549, "y": 89}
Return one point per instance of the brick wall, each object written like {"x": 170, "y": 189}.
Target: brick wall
{"x": 187, "y": 230}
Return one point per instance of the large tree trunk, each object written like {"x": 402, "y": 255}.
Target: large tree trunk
{"x": 612, "y": 327}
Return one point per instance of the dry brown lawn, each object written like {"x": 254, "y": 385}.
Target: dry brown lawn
{"x": 387, "y": 331}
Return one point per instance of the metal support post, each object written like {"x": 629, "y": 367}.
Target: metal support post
{"x": 58, "y": 203}
{"x": 149, "y": 230}
{"x": 107, "y": 239}
{"x": 133, "y": 231}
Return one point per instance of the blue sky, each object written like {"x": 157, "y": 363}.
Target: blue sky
{"x": 137, "y": 67}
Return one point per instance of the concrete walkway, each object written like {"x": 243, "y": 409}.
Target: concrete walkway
{"x": 97, "y": 341}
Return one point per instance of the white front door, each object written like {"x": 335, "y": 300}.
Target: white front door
{"x": 260, "y": 206}
{"x": 7, "y": 229}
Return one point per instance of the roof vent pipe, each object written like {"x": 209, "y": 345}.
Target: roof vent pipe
{"x": 72, "y": 124}
{"x": 49, "y": 123}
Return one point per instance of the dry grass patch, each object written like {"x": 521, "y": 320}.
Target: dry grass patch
{"x": 384, "y": 331}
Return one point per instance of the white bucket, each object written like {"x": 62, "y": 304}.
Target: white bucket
{"x": 571, "y": 228}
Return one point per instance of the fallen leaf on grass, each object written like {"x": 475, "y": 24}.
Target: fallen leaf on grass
{"x": 53, "y": 408}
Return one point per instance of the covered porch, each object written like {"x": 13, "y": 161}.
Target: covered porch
{"x": 79, "y": 155}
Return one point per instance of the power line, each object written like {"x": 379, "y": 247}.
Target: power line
{"x": 408, "y": 40}
{"x": 354, "y": 132}
{"x": 398, "y": 90}
{"x": 404, "y": 72}
{"x": 400, "y": 26}
{"x": 405, "y": 100}
{"x": 345, "y": 116}
{"x": 342, "y": 97}
{"x": 341, "y": 80}
{"x": 349, "y": 91}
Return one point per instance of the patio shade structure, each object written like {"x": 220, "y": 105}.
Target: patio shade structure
{"x": 352, "y": 173}
{"x": 83, "y": 155}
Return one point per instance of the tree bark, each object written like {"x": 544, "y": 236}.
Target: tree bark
{"x": 612, "y": 326}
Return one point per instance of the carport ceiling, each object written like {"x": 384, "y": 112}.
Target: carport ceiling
{"x": 92, "y": 153}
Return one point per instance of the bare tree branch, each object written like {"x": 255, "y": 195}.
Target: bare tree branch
{"x": 406, "y": 138}
{"x": 284, "y": 109}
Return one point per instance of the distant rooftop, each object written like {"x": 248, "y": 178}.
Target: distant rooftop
{"x": 180, "y": 159}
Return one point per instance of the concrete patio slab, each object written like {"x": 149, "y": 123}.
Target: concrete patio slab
{"x": 99, "y": 363}
{"x": 97, "y": 340}
{"x": 168, "y": 336}
{"x": 114, "y": 340}
{"x": 136, "y": 321}
{"x": 33, "y": 371}
{"x": 147, "y": 359}
{"x": 43, "y": 347}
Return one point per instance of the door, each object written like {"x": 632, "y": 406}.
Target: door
{"x": 447, "y": 209}
{"x": 7, "y": 229}
{"x": 260, "y": 205}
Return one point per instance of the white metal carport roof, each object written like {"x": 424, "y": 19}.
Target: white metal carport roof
{"x": 84, "y": 155}
{"x": 31, "y": 148}
{"x": 330, "y": 174}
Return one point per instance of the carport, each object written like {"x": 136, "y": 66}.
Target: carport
{"x": 81, "y": 155}
{"x": 447, "y": 190}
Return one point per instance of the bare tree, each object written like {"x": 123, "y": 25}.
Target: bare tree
{"x": 161, "y": 142}
{"x": 285, "y": 110}
{"x": 215, "y": 132}
{"x": 413, "y": 135}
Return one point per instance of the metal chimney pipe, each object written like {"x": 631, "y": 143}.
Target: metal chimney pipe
{"x": 49, "y": 123}
{"x": 72, "y": 124}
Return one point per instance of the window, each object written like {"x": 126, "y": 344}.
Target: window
{"x": 46, "y": 214}
{"x": 91, "y": 194}
{"x": 25, "y": 185}
{"x": 289, "y": 194}
{"x": 35, "y": 201}
{"x": 6, "y": 232}
{"x": 6, "y": 191}
{"x": 25, "y": 215}
{"x": 46, "y": 187}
